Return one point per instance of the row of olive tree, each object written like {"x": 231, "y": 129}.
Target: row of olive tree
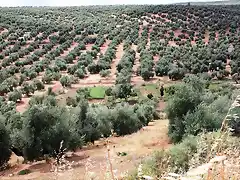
{"x": 40, "y": 129}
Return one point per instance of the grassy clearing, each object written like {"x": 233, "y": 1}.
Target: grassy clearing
{"x": 97, "y": 92}
{"x": 149, "y": 88}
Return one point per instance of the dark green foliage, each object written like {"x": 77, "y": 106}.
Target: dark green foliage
{"x": 80, "y": 73}
{"x": 42, "y": 122}
{"x": 65, "y": 81}
{"x": 4, "y": 143}
{"x": 191, "y": 109}
{"x": 109, "y": 91}
{"x": 38, "y": 84}
{"x": 166, "y": 46}
{"x": 71, "y": 102}
{"x": 27, "y": 88}
{"x": 93, "y": 68}
{"x": 82, "y": 93}
{"x": 105, "y": 73}
{"x": 123, "y": 90}
{"x": 23, "y": 172}
{"x": 15, "y": 96}
{"x": 125, "y": 120}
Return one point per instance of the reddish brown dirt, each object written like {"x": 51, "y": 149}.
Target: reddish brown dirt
{"x": 104, "y": 47}
{"x": 3, "y": 31}
{"x": 227, "y": 31}
{"x": 115, "y": 62}
{"x": 228, "y": 67}
{"x": 161, "y": 105}
{"x": 193, "y": 42}
{"x": 216, "y": 36}
{"x": 57, "y": 86}
{"x": 65, "y": 53}
{"x": 155, "y": 58}
{"x": 177, "y": 32}
{"x": 93, "y": 158}
{"x": 89, "y": 47}
{"x": 136, "y": 62}
{"x": 206, "y": 39}
{"x": 23, "y": 104}
{"x": 148, "y": 38}
{"x": 172, "y": 43}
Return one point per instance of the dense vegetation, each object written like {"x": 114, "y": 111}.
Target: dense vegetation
{"x": 185, "y": 39}
{"x": 196, "y": 109}
{"x": 43, "y": 46}
{"x": 29, "y": 132}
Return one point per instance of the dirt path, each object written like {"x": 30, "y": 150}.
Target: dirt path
{"x": 3, "y": 31}
{"x": 148, "y": 38}
{"x": 228, "y": 67}
{"x": 115, "y": 62}
{"x": 65, "y": 53}
{"x": 136, "y": 79}
{"x": 93, "y": 158}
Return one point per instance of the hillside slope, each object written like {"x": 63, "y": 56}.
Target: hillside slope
{"x": 228, "y": 2}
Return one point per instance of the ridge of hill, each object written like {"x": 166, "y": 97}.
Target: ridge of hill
{"x": 219, "y": 2}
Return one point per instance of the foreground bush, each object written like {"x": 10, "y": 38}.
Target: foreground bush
{"x": 192, "y": 109}
{"x": 39, "y": 130}
{"x": 40, "y": 123}
{"x": 195, "y": 152}
{"x": 176, "y": 159}
{"x": 4, "y": 144}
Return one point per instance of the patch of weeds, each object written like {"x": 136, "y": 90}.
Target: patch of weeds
{"x": 121, "y": 153}
{"x": 24, "y": 171}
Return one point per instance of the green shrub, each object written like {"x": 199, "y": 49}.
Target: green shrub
{"x": 71, "y": 101}
{"x": 24, "y": 171}
{"x": 125, "y": 120}
{"x": 44, "y": 121}
{"x": 108, "y": 91}
{"x": 185, "y": 100}
{"x": 105, "y": 73}
{"x": 181, "y": 154}
{"x": 4, "y": 143}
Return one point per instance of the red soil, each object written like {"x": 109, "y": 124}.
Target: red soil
{"x": 177, "y": 32}
{"x": 115, "y": 62}
{"x": 227, "y": 31}
{"x": 23, "y": 104}
{"x": 155, "y": 58}
{"x": 193, "y": 42}
{"x": 92, "y": 158}
{"x": 206, "y": 39}
{"x": 228, "y": 67}
{"x": 104, "y": 47}
{"x": 172, "y": 43}
{"x": 65, "y": 53}
{"x": 3, "y": 31}
{"x": 216, "y": 36}
{"x": 56, "y": 87}
{"x": 136, "y": 63}
{"x": 89, "y": 47}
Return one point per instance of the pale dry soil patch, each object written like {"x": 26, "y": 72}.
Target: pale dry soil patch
{"x": 137, "y": 146}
